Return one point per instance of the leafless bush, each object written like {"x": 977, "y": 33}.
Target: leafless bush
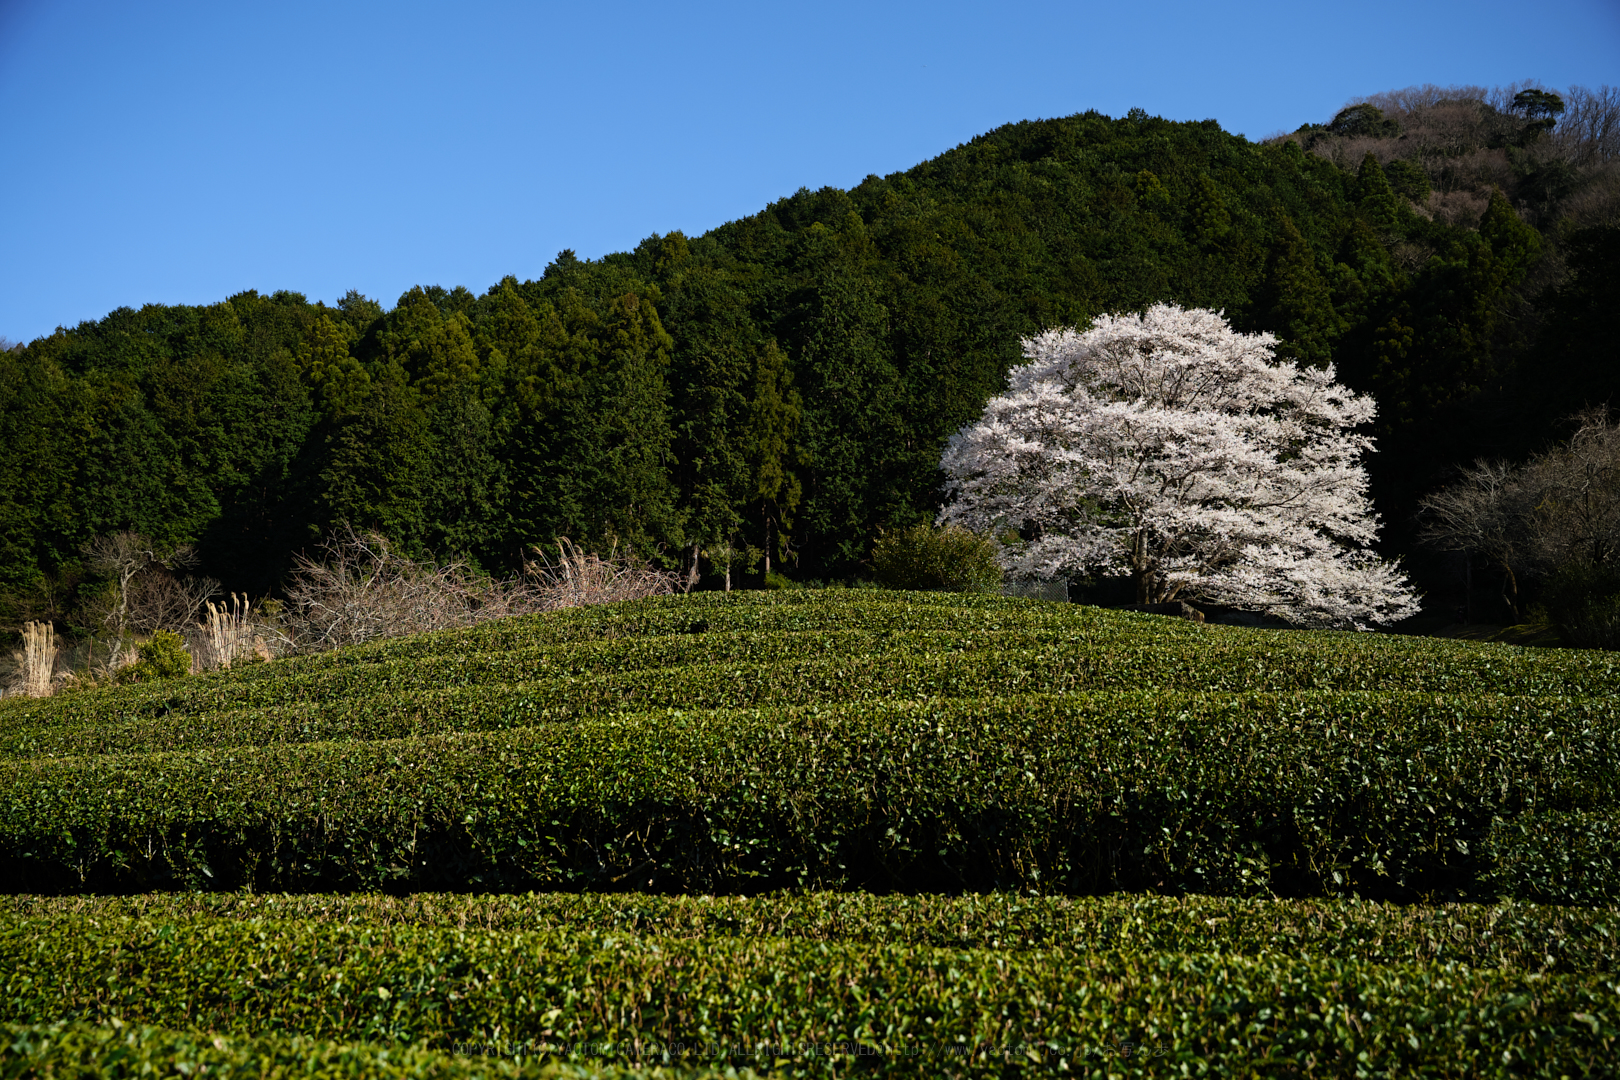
{"x": 1464, "y": 208}
{"x": 1471, "y": 139}
{"x": 1596, "y": 202}
{"x": 1415, "y": 99}
{"x": 1560, "y": 508}
{"x": 362, "y": 590}
{"x": 1476, "y": 170}
{"x": 1577, "y": 489}
{"x": 577, "y": 578}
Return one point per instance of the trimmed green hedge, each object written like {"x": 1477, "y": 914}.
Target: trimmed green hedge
{"x": 1528, "y": 937}
{"x": 115, "y": 1051}
{"x": 892, "y": 1009}
{"x": 1299, "y": 794}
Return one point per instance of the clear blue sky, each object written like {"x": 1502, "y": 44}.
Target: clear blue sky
{"x": 182, "y": 152}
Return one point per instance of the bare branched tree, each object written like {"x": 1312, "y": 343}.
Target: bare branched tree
{"x": 159, "y": 600}
{"x": 120, "y": 556}
{"x": 1576, "y": 517}
{"x": 1486, "y": 515}
{"x": 148, "y": 594}
{"x": 1469, "y": 140}
{"x": 1589, "y": 130}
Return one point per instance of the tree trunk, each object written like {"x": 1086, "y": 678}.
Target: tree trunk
{"x": 1140, "y": 569}
{"x": 1468, "y": 586}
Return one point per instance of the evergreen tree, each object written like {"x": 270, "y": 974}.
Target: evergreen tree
{"x": 592, "y": 444}
{"x": 1576, "y": 364}
{"x": 850, "y": 432}
{"x": 1300, "y": 307}
{"x": 479, "y": 425}
{"x": 1376, "y": 200}
{"x": 376, "y": 464}
{"x": 340, "y": 382}
{"x": 1515, "y": 244}
{"x": 773, "y": 422}
{"x": 709, "y": 380}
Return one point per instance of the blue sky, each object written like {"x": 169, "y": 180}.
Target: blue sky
{"x": 182, "y": 152}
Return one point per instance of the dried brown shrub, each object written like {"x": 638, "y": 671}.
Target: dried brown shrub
{"x": 577, "y": 578}
{"x": 363, "y": 590}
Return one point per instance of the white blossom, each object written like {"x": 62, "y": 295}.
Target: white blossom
{"x": 1171, "y": 449}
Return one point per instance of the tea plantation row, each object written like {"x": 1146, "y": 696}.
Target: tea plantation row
{"x": 1532, "y": 937}
{"x": 603, "y": 993}
{"x": 715, "y": 652}
{"x": 1294, "y": 794}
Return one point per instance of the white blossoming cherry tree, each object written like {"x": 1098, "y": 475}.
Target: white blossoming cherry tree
{"x": 1169, "y": 448}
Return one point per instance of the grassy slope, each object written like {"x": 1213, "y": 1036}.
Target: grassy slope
{"x": 853, "y": 741}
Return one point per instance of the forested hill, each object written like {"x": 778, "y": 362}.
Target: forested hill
{"x": 790, "y": 378}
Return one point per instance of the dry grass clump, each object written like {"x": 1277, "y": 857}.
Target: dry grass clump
{"x": 33, "y": 667}
{"x": 230, "y": 633}
{"x": 578, "y": 578}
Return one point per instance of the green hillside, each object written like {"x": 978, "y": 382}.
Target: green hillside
{"x": 786, "y": 381}
{"x": 804, "y": 832}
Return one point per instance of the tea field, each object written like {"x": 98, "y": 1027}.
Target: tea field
{"x": 823, "y": 833}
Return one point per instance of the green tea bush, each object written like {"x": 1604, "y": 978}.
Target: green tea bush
{"x": 1530, "y": 937}
{"x": 926, "y": 558}
{"x": 889, "y": 1008}
{"x": 822, "y": 832}
{"x": 115, "y": 1051}
{"x": 790, "y": 647}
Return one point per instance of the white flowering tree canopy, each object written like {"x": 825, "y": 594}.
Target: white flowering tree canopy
{"x": 1169, "y": 448}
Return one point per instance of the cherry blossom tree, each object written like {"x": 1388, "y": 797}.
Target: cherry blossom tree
{"x": 1169, "y": 448}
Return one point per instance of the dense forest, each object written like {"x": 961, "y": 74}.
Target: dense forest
{"x": 781, "y": 387}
